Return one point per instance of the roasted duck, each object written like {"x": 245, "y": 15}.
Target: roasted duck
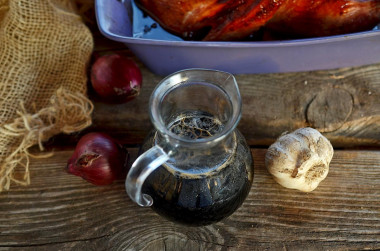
{"x": 305, "y": 18}
{"x": 238, "y": 19}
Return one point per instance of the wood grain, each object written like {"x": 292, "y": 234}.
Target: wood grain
{"x": 344, "y": 104}
{"x": 59, "y": 211}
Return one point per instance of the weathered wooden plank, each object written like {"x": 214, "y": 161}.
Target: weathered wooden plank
{"x": 60, "y": 211}
{"x": 344, "y": 104}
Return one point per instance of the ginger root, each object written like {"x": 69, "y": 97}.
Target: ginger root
{"x": 300, "y": 160}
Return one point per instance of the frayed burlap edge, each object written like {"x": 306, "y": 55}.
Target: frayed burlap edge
{"x": 67, "y": 113}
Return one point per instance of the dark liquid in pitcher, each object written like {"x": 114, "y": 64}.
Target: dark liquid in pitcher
{"x": 193, "y": 197}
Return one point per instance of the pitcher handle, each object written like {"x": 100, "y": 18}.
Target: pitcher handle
{"x": 143, "y": 166}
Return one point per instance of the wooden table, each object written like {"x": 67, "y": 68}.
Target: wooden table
{"x": 59, "y": 211}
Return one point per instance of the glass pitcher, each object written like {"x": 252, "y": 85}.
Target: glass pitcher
{"x": 196, "y": 167}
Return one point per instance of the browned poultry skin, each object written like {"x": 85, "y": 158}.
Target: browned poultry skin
{"x": 237, "y": 19}
{"x": 305, "y": 18}
{"x": 211, "y": 19}
{"x": 186, "y": 18}
{"x": 248, "y": 18}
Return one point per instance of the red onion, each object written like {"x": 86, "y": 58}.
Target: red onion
{"x": 116, "y": 78}
{"x": 98, "y": 159}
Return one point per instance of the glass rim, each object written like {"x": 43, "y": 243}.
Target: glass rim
{"x": 164, "y": 87}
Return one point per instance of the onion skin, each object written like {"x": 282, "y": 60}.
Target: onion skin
{"x": 116, "y": 78}
{"x": 98, "y": 159}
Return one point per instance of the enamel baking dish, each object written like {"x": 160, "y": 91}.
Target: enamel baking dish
{"x": 167, "y": 54}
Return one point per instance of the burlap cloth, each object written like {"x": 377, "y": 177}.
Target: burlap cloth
{"x": 44, "y": 51}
